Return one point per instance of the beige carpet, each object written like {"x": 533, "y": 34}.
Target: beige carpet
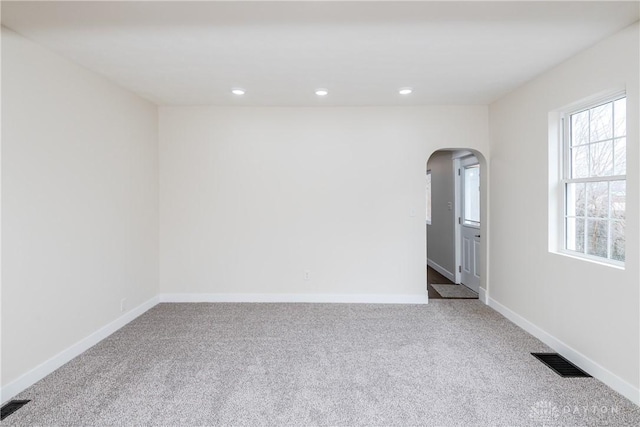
{"x": 454, "y": 291}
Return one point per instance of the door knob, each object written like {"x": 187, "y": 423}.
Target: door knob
{"x": 477, "y": 235}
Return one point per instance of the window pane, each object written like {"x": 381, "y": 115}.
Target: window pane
{"x": 601, "y": 160}
{"x": 598, "y": 199}
{"x": 429, "y": 197}
{"x": 575, "y": 234}
{"x": 620, "y": 157}
{"x": 580, "y": 162}
{"x": 597, "y": 231}
{"x": 576, "y": 199}
{"x": 617, "y": 240}
{"x": 580, "y": 128}
{"x": 601, "y": 122}
{"x": 618, "y": 198}
{"x": 620, "y": 115}
{"x": 594, "y": 214}
{"x": 472, "y": 194}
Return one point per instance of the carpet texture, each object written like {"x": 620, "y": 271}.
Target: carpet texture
{"x": 454, "y": 291}
{"x": 448, "y": 363}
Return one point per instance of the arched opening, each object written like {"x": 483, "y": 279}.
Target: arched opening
{"x": 457, "y": 224}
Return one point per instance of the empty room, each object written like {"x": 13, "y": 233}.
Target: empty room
{"x": 320, "y": 213}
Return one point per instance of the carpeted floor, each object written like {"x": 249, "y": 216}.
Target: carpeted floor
{"x": 448, "y": 363}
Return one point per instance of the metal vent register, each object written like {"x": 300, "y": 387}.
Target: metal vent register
{"x": 12, "y": 407}
{"x": 560, "y": 365}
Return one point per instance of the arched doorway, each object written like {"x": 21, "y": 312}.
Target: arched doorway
{"x": 457, "y": 224}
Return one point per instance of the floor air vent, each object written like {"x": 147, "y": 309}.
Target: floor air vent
{"x": 561, "y": 366}
{"x": 12, "y": 407}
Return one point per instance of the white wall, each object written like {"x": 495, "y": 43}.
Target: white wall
{"x": 441, "y": 233}
{"x": 593, "y": 310}
{"x": 79, "y": 204}
{"x": 250, "y": 198}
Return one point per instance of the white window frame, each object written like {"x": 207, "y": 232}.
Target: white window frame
{"x": 565, "y": 178}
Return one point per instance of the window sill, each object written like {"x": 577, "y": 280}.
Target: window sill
{"x": 594, "y": 260}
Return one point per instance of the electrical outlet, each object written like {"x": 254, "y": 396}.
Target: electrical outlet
{"x": 307, "y": 275}
{"x": 123, "y": 304}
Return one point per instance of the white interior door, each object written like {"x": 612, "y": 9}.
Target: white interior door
{"x": 470, "y": 222}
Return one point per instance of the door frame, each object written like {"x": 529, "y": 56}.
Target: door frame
{"x": 457, "y": 157}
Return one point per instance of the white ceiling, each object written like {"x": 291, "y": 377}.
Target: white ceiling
{"x": 193, "y": 53}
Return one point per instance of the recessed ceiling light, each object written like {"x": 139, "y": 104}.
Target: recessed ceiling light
{"x": 237, "y": 91}
{"x": 322, "y": 92}
{"x": 405, "y": 91}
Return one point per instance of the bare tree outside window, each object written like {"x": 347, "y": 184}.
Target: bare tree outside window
{"x": 595, "y": 180}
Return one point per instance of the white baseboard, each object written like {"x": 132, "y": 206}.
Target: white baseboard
{"x": 300, "y": 298}
{"x": 440, "y": 269}
{"x": 36, "y": 374}
{"x": 482, "y": 295}
{"x": 594, "y": 369}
